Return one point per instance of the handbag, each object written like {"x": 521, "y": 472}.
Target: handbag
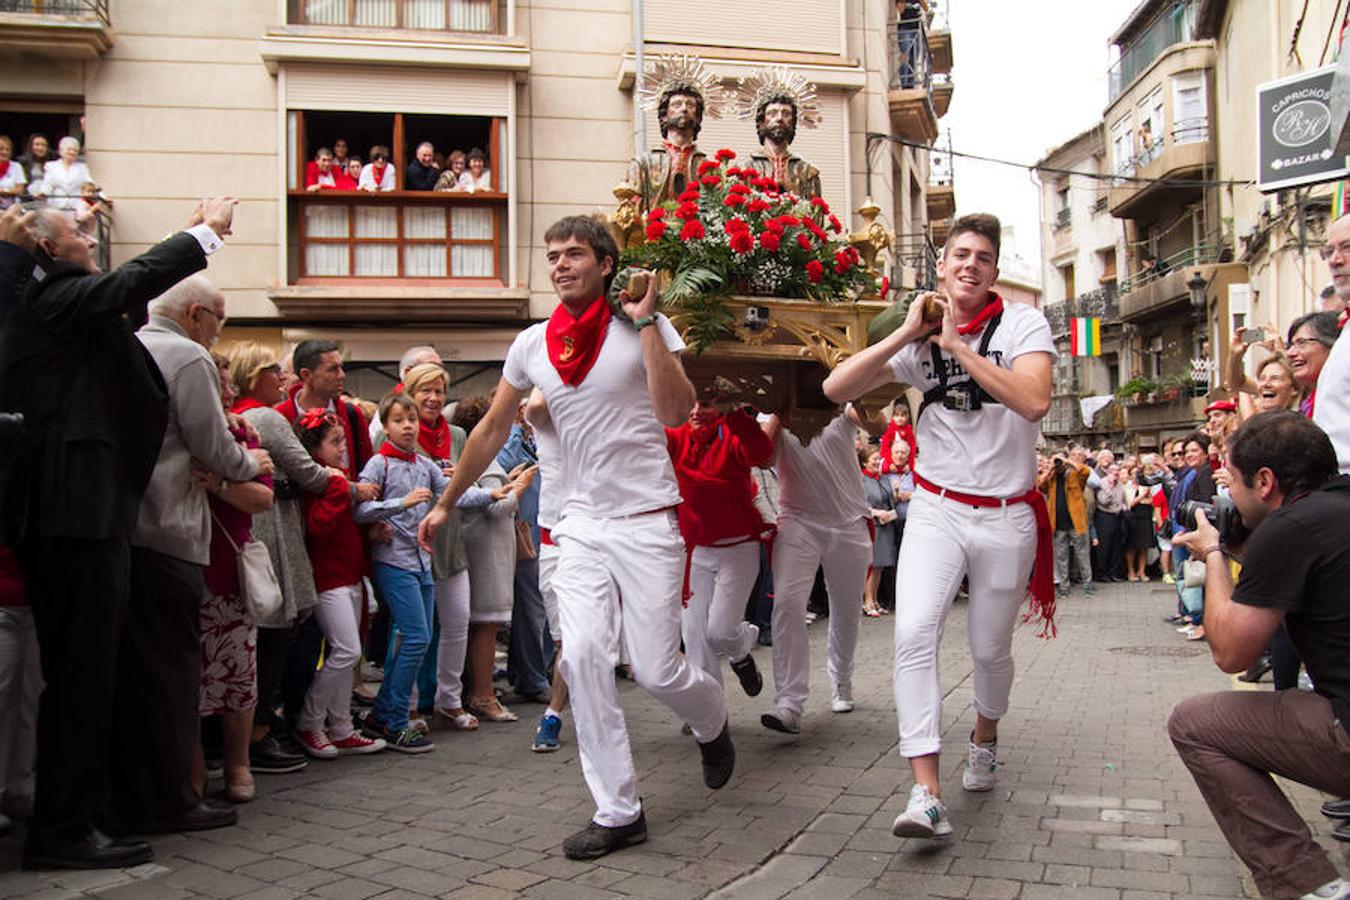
{"x": 525, "y": 548}
{"x": 259, "y": 589}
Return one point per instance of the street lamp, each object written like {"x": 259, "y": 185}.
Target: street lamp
{"x": 1197, "y": 285}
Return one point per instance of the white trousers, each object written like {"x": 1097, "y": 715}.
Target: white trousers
{"x": 20, "y": 687}
{"x": 944, "y": 540}
{"x": 548, "y": 562}
{"x": 329, "y": 698}
{"x": 641, "y": 560}
{"x": 799, "y": 549}
{"x": 452, "y": 612}
{"x": 713, "y": 624}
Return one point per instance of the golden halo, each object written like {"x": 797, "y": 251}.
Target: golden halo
{"x": 777, "y": 81}
{"x": 682, "y": 72}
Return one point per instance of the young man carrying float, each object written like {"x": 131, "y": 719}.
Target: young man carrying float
{"x": 985, "y": 374}
{"x": 609, "y": 387}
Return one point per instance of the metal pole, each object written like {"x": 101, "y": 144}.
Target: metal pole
{"x": 639, "y": 63}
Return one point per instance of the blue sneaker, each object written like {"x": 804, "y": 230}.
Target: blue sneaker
{"x": 546, "y": 735}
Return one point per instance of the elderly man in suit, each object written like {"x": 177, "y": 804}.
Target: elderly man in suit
{"x": 95, "y": 406}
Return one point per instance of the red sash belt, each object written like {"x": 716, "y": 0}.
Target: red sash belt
{"x": 1042, "y": 587}
{"x": 545, "y": 537}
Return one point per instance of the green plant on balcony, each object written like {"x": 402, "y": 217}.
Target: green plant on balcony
{"x": 1136, "y": 389}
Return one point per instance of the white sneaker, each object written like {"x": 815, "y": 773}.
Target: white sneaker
{"x": 780, "y": 718}
{"x": 924, "y": 817}
{"x": 842, "y": 699}
{"x": 1332, "y": 890}
{"x": 981, "y": 762}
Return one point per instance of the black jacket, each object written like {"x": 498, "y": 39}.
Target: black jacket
{"x": 94, "y": 403}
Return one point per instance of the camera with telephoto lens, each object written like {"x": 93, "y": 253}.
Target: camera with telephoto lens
{"x": 1222, "y": 514}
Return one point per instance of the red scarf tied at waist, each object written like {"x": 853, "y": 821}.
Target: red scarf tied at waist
{"x": 574, "y": 342}
{"x": 976, "y": 325}
{"x": 1042, "y": 587}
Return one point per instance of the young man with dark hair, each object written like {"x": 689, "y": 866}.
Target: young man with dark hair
{"x": 610, "y": 386}
{"x": 1295, "y": 565}
{"x": 984, "y": 370}
{"x": 318, "y": 366}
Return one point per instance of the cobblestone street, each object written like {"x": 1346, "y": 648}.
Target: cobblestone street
{"x": 1092, "y": 802}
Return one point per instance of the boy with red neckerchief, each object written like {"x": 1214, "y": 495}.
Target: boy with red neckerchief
{"x": 985, "y": 370}
{"x": 610, "y": 386}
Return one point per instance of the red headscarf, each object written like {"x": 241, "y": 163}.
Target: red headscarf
{"x": 574, "y": 342}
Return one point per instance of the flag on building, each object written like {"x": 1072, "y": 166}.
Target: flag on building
{"x": 1086, "y": 337}
{"x": 1340, "y": 200}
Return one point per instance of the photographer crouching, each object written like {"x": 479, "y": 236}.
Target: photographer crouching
{"x": 1295, "y": 514}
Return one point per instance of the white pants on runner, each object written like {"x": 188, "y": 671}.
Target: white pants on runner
{"x": 641, "y": 560}
{"x": 944, "y": 540}
{"x": 548, "y": 561}
{"x": 452, "y": 612}
{"x": 713, "y": 624}
{"x": 845, "y": 554}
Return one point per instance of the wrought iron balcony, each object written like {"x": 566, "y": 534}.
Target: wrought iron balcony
{"x": 914, "y": 114}
{"x": 79, "y": 29}
{"x": 1102, "y": 303}
{"x": 916, "y": 258}
{"x": 1172, "y": 26}
{"x": 1063, "y": 219}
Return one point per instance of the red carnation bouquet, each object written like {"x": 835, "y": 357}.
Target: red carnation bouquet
{"x": 734, "y": 231}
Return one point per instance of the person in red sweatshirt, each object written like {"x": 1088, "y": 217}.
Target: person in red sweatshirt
{"x": 713, "y": 453}
{"x": 324, "y": 729}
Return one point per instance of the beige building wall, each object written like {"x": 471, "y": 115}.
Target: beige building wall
{"x": 1284, "y": 282}
{"x": 190, "y": 101}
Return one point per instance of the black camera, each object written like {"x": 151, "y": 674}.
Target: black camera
{"x": 1222, "y": 514}
{"x": 964, "y": 397}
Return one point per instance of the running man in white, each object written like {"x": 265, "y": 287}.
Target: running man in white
{"x": 609, "y": 385}
{"x": 985, "y": 370}
{"x": 823, "y": 521}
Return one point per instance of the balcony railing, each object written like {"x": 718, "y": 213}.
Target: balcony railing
{"x": 1172, "y": 26}
{"x": 93, "y": 9}
{"x": 1197, "y": 255}
{"x": 419, "y": 15}
{"x": 913, "y": 66}
{"x": 1102, "y": 303}
{"x": 1063, "y": 219}
{"x": 917, "y": 253}
{"x": 399, "y": 235}
{"x": 1190, "y": 131}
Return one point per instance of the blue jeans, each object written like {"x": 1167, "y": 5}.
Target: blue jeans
{"x": 412, "y": 605}
{"x": 531, "y": 646}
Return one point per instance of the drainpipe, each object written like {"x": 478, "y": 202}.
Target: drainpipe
{"x": 639, "y": 63}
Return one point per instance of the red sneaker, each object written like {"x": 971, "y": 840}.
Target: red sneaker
{"x": 356, "y": 743}
{"x": 316, "y": 744}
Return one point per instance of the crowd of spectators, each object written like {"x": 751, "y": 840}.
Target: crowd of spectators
{"x": 429, "y": 170}
{"x": 62, "y": 181}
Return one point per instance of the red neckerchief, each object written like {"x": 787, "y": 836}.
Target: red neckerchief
{"x": 435, "y": 439}
{"x": 388, "y": 449}
{"x": 378, "y": 173}
{"x": 1343, "y": 317}
{"x": 871, "y": 476}
{"x": 700, "y": 440}
{"x": 976, "y": 325}
{"x": 574, "y": 342}
{"x": 4, "y": 169}
{"x": 244, "y": 404}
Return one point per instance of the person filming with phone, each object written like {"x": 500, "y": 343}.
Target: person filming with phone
{"x": 1288, "y": 517}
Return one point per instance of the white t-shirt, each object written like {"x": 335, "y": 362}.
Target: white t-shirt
{"x": 821, "y": 483}
{"x": 990, "y": 452}
{"x": 611, "y": 447}
{"x": 367, "y": 180}
{"x": 547, "y": 451}
{"x": 1332, "y": 409}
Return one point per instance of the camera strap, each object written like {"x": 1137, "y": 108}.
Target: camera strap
{"x": 936, "y": 393}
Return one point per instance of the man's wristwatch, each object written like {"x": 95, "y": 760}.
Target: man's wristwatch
{"x": 643, "y": 322}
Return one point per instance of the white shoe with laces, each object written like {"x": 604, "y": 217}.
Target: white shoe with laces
{"x": 841, "y": 701}
{"x": 981, "y": 761}
{"x": 1332, "y": 890}
{"x": 924, "y": 817}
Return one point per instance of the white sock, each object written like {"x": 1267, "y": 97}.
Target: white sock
{"x": 552, "y": 712}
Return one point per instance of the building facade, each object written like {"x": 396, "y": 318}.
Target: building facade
{"x": 180, "y": 100}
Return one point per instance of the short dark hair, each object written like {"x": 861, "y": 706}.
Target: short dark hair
{"x": 664, "y": 106}
{"x": 1324, "y": 327}
{"x": 389, "y": 401}
{"x": 592, "y": 232}
{"x": 1290, "y": 445}
{"x": 1197, "y": 437}
{"x": 308, "y": 353}
{"x": 470, "y": 411}
{"x": 986, "y": 225}
{"x": 477, "y": 153}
